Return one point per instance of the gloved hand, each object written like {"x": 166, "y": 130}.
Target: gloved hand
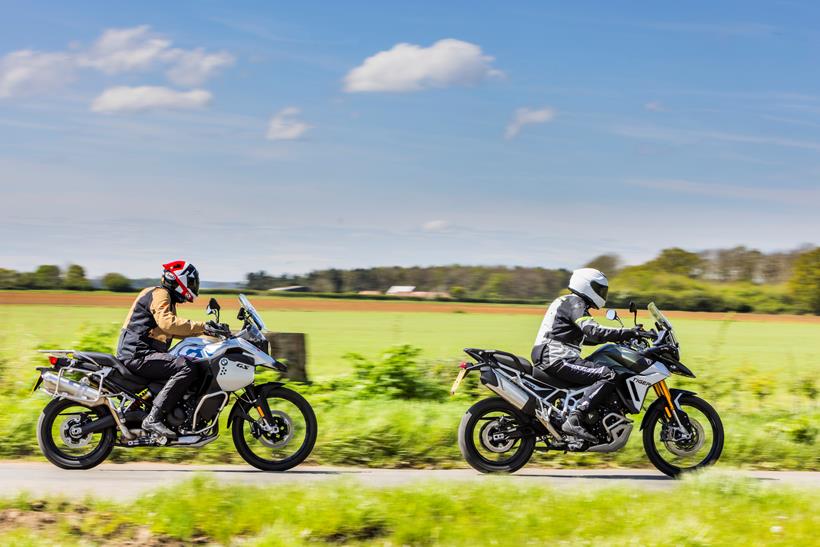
{"x": 212, "y": 328}
{"x": 633, "y": 334}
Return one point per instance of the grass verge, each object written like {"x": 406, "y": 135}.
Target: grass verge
{"x": 704, "y": 510}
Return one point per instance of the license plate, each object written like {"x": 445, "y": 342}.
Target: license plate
{"x": 459, "y": 378}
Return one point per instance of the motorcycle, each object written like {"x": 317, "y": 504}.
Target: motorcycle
{"x": 681, "y": 432}
{"x": 99, "y": 404}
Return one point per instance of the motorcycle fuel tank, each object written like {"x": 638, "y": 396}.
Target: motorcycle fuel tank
{"x": 613, "y": 354}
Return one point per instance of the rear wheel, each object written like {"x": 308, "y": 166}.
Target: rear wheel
{"x": 60, "y": 439}
{"x": 489, "y": 437}
{"x": 675, "y": 450}
{"x": 281, "y": 442}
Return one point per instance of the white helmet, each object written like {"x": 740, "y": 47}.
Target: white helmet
{"x": 591, "y": 285}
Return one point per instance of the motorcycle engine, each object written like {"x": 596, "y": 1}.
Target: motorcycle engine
{"x": 181, "y": 413}
{"x": 595, "y": 418}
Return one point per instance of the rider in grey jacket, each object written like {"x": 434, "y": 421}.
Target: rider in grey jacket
{"x": 567, "y": 326}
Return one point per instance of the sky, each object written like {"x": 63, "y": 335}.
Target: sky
{"x": 304, "y": 135}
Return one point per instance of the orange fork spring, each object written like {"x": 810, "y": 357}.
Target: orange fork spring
{"x": 663, "y": 391}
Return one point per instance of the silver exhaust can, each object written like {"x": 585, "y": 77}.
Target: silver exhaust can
{"x": 58, "y": 386}
{"x": 507, "y": 390}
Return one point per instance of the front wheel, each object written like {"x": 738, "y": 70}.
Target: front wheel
{"x": 281, "y": 442}
{"x": 674, "y": 449}
{"x": 61, "y": 440}
{"x": 492, "y": 439}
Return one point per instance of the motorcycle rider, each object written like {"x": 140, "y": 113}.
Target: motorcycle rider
{"x": 146, "y": 337}
{"x": 566, "y": 326}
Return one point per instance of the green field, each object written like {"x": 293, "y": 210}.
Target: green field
{"x": 706, "y": 345}
{"x": 761, "y": 376}
{"x": 704, "y": 510}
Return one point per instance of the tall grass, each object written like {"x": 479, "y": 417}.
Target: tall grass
{"x": 704, "y": 510}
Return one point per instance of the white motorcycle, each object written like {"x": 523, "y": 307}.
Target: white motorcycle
{"x": 99, "y": 404}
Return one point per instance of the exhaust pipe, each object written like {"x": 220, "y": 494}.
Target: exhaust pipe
{"x": 507, "y": 390}
{"x": 63, "y": 387}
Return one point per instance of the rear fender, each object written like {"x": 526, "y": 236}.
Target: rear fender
{"x": 241, "y": 407}
{"x": 675, "y": 393}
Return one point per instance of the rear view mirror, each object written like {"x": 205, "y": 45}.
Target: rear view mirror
{"x": 213, "y": 308}
{"x": 633, "y": 309}
{"x": 611, "y": 314}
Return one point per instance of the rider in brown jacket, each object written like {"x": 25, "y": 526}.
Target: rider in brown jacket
{"x": 146, "y": 337}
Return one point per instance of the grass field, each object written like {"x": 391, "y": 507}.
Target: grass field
{"x": 771, "y": 345}
{"x": 704, "y": 510}
{"x": 760, "y": 375}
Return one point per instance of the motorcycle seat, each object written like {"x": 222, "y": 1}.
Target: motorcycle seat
{"x": 522, "y": 364}
{"x": 132, "y": 381}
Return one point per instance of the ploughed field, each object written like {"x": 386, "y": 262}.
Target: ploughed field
{"x": 760, "y": 372}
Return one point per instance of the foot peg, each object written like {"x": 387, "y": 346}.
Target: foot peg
{"x": 572, "y": 426}
{"x": 151, "y": 425}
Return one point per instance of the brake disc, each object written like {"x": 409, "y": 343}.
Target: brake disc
{"x": 72, "y": 440}
{"x": 493, "y": 439}
{"x": 684, "y": 448}
{"x": 276, "y": 429}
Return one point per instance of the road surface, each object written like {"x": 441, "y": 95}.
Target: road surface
{"x": 124, "y": 481}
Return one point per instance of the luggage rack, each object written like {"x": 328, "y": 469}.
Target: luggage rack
{"x": 61, "y": 381}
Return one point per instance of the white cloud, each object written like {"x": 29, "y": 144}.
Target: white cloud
{"x": 655, "y": 106}
{"x": 435, "y": 226}
{"x": 409, "y": 67}
{"x": 194, "y": 67}
{"x": 124, "y": 50}
{"x": 116, "y": 51}
{"x": 134, "y": 99}
{"x": 26, "y": 72}
{"x": 285, "y": 127}
{"x": 527, "y": 116}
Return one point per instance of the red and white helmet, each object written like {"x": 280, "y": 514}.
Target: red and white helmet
{"x": 182, "y": 279}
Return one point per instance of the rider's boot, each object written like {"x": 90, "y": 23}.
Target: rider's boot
{"x": 153, "y": 423}
{"x": 573, "y": 426}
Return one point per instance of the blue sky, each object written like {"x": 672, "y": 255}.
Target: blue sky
{"x": 293, "y": 136}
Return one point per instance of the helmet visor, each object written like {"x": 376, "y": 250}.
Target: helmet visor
{"x": 193, "y": 284}
{"x": 600, "y": 289}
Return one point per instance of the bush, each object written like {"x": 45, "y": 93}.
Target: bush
{"x": 805, "y": 281}
{"x": 116, "y": 283}
{"x": 397, "y": 375}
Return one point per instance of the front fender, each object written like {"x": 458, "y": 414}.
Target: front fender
{"x": 675, "y": 393}
{"x": 240, "y": 407}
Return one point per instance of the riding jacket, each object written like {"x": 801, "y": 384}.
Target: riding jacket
{"x": 567, "y": 326}
{"x": 152, "y": 324}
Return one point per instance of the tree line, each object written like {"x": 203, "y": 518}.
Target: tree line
{"x": 51, "y": 277}
{"x": 736, "y": 279}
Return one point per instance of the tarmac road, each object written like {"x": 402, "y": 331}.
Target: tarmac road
{"x": 124, "y": 481}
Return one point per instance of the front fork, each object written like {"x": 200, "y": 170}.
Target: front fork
{"x": 260, "y": 403}
{"x": 674, "y": 417}
{"x": 662, "y": 391}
